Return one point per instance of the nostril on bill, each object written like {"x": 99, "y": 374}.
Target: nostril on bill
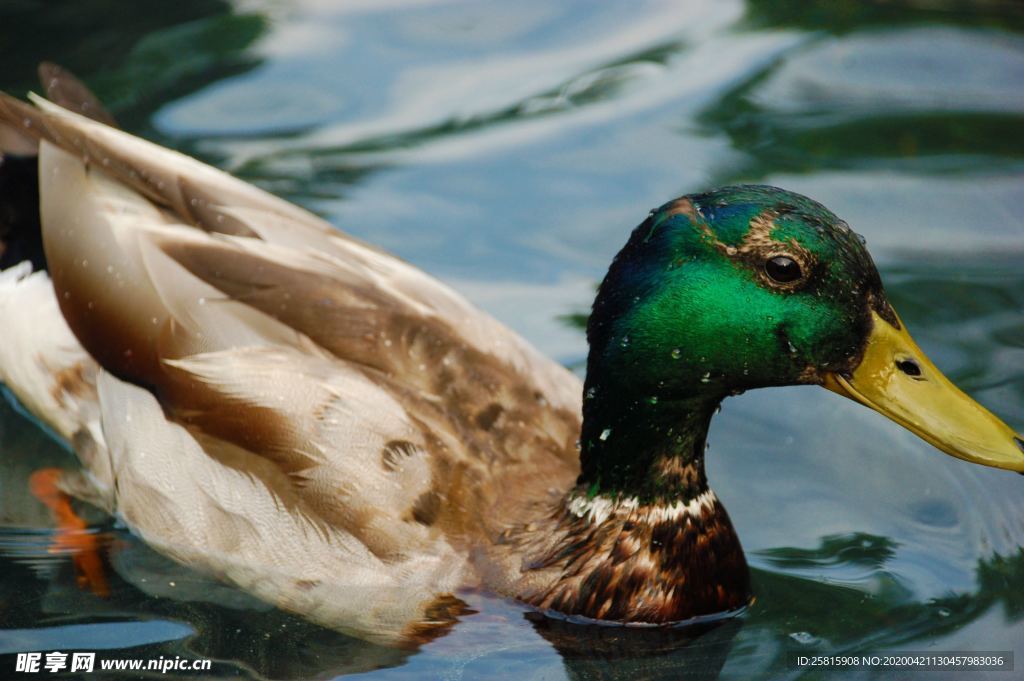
{"x": 1020, "y": 443}
{"x": 909, "y": 367}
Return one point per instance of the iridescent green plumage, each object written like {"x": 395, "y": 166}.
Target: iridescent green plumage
{"x": 688, "y": 315}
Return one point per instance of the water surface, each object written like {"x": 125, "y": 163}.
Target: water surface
{"x": 509, "y": 150}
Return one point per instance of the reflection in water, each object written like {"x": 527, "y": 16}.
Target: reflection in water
{"x": 897, "y": 101}
{"x": 857, "y": 549}
{"x": 845, "y": 17}
{"x": 594, "y": 651}
{"x": 514, "y": 151}
{"x": 134, "y": 56}
{"x": 845, "y": 618}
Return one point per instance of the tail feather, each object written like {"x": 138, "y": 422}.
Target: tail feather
{"x": 63, "y": 88}
{"x": 20, "y": 233}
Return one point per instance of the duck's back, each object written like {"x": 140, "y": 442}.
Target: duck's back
{"x": 311, "y": 418}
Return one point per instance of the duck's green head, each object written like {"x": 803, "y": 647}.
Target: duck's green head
{"x": 753, "y": 286}
{"x": 738, "y": 288}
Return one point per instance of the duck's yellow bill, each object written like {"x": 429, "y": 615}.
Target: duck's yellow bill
{"x": 896, "y": 379}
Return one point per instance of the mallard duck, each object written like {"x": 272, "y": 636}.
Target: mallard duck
{"x": 260, "y": 396}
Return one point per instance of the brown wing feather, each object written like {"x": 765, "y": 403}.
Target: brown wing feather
{"x": 197, "y": 194}
{"x": 358, "y": 322}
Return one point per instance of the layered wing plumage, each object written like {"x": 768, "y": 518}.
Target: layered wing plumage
{"x": 270, "y": 399}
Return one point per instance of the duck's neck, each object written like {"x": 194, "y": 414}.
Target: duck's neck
{"x": 642, "y": 538}
{"x": 644, "y": 446}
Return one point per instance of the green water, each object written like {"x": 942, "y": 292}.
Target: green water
{"x": 509, "y": 149}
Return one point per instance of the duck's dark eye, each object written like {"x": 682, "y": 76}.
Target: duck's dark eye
{"x": 783, "y": 269}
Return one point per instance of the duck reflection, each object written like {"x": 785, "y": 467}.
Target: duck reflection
{"x": 592, "y": 651}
